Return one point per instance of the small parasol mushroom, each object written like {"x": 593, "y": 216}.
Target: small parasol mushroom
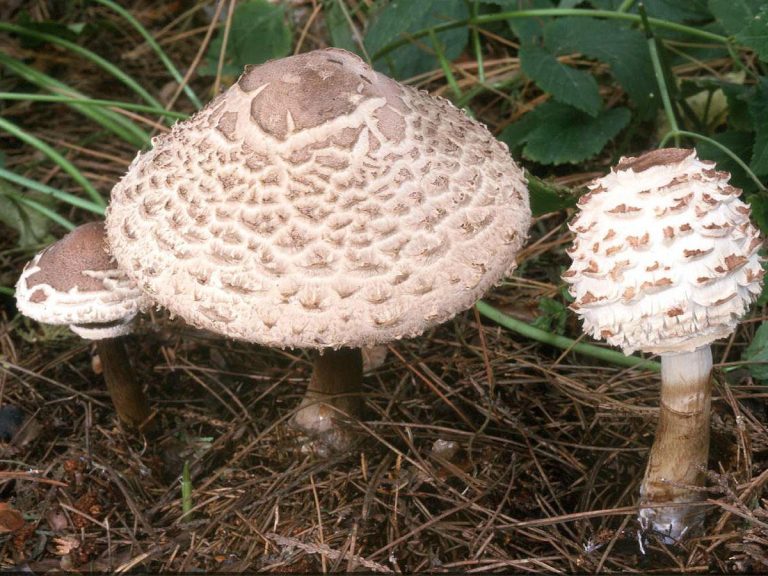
{"x": 319, "y": 204}
{"x": 666, "y": 261}
{"x": 76, "y": 282}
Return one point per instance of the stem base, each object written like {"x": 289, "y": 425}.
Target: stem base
{"x": 333, "y": 396}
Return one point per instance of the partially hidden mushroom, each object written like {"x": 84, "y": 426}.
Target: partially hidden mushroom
{"x": 319, "y": 204}
{"x": 75, "y": 282}
{"x": 665, "y": 260}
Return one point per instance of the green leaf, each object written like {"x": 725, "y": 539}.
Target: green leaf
{"x": 259, "y": 33}
{"x": 566, "y": 84}
{"x": 394, "y": 19}
{"x": 338, "y": 26}
{"x": 515, "y": 135}
{"x": 758, "y": 110}
{"x": 738, "y": 110}
{"x": 625, "y": 50}
{"x": 556, "y": 133}
{"x": 553, "y": 316}
{"x": 734, "y": 15}
{"x": 755, "y": 34}
{"x": 546, "y": 198}
{"x": 757, "y": 351}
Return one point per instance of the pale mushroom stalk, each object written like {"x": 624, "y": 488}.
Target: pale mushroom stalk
{"x": 678, "y": 457}
{"x": 666, "y": 261}
{"x": 75, "y": 282}
{"x": 126, "y": 393}
{"x": 334, "y": 395}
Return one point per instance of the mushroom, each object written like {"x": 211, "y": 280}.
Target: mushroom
{"x": 666, "y": 261}
{"x": 76, "y": 282}
{"x": 319, "y": 204}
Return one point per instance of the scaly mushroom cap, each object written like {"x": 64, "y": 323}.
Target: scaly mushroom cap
{"x": 76, "y": 282}
{"x": 665, "y": 257}
{"x": 317, "y": 203}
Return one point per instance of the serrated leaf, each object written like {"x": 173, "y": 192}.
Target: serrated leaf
{"x": 734, "y": 15}
{"x": 561, "y": 134}
{"x": 517, "y": 133}
{"x": 757, "y": 351}
{"x": 338, "y": 26}
{"x": 258, "y": 33}
{"x": 394, "y": 19}
{"x": 625, "y": 50}
{"x": 758, "y": 110}
{"x": 566, "y": 84}
{"x": 755, "y": 33}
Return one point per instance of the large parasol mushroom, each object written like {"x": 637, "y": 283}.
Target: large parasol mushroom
{"x": 319, "y": 204}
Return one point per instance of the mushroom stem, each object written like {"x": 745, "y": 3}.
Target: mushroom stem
{"x": 678, "y": 457}
{"x": 126, "y": 393}
{"x": 334, "y": 393}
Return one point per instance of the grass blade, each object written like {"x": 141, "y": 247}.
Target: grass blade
{"x": 658, "y": 71}
{"x": 54, "y": 155}
{"x": 445, "y": 65}
{"x": 186, "y": 491}
{"x": 156, "y": 47}
{"x": 109, "y": 120}
{"x": 104, "y": 64}
{"x": 70, "y": 199}
{"x": 83, "y": 101}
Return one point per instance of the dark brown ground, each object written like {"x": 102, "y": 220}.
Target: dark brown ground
{"x": 548, "y": 448}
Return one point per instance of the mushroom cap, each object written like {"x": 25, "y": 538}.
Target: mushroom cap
{"x": 317, "y": 203}
{"x": 75, "y": 281}
{"x": 665, "y": 258}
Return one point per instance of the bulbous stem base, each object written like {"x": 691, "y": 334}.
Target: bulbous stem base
{"x": 333, "y": 397}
